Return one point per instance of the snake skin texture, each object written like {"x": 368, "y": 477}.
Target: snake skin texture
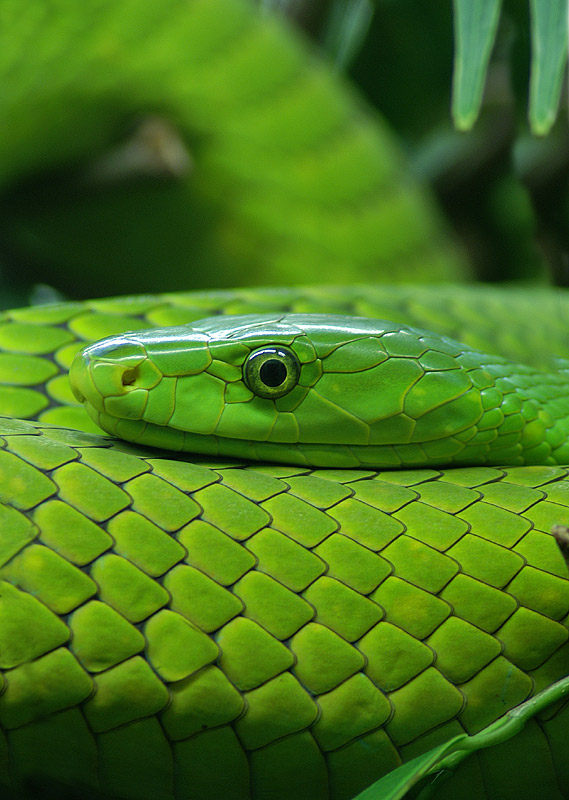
{"x": 180, "y": 628}
{"x": 196, "y": 631}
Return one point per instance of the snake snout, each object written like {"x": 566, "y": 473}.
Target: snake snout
{"x": 111, "y": 368}
{"x": 77, "y": 375}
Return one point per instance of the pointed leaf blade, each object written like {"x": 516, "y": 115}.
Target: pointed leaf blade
{"x": 397, "y": 783}
{"x": 549, "y": 24}
{"x": 475, "y": 23}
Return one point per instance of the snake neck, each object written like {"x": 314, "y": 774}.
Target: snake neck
{"x": 535, "y": 406}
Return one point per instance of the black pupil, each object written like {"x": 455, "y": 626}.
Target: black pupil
{"x": 273, "y": 373}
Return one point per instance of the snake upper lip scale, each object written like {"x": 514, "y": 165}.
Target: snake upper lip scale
{"x": 322, "y": 390}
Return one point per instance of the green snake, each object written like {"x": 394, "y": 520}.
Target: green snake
{"x": 322, "y": 390}
{"x": 285, "y": 615}
{"x": 204, "y": 627}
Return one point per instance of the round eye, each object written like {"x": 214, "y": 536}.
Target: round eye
{"x": 271, "y": 371}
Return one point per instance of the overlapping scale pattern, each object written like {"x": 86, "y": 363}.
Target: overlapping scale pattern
{"x": 173, "y": 628}
{"x": 187, "y": 629}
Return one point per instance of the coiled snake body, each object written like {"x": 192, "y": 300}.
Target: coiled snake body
{"x": 178, "y": 627}
{"x": 195, "y": 627}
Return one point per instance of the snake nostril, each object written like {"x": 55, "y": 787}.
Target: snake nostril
{"x": 129, "y": 377}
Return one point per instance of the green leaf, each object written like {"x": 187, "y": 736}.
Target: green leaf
{"x": 440, "y": 762}
{"x": 396, "y": 784}
{"x": 549, "y": 59}
{"x": 346, "y": 28}
{"x": 475, "y": 23}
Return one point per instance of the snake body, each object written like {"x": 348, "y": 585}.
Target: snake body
{"x": 174, "y": 627}
{"x": 282, "y": 166}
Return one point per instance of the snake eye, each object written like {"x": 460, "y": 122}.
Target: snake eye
{"x": 271, "y": 371}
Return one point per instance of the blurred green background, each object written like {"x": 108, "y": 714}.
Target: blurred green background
{"x": 142, "y": 208}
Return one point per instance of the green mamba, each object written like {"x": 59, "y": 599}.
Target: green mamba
{"x": 176, "y": 626}
{"x": 322, "y": 390}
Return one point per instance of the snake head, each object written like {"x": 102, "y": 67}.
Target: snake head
{"x": 312, "y": 389}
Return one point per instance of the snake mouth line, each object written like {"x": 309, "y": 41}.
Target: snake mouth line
{"x": 165, "y": 437}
